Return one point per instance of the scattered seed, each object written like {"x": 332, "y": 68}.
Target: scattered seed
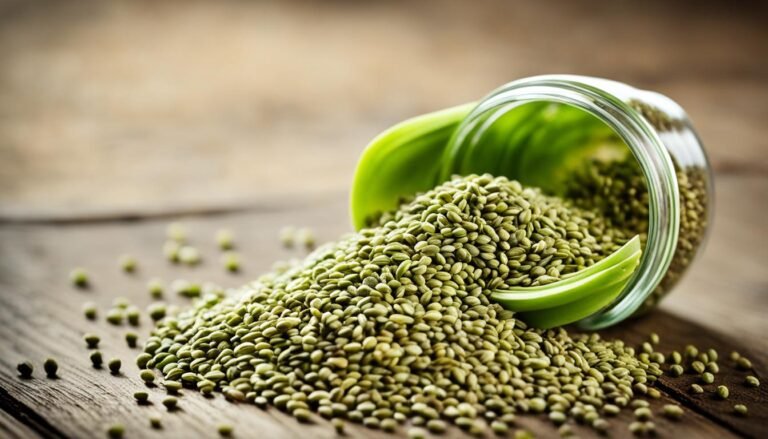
{"x": 51, "y": 367}
{"x": 156, "y": 422}
{"x": 225, "y": 239}
{"x": 673, "y": 411}
{"x": 189, "y": 255}
{"x": 147, "y": 376}
{"x": 116, "y": 431}
{"x": 25, "y": 369}
{"x": 170, "y": 403}
{"x": 155, "y": 288}
{"x": 752, "y": 381}
{"x": 695, "y": 388}
{"x": 128, "y": 263}
{"x": 90, "y": 311}
{"x": 114, "y": 365}
{"x": 707, "y": 378}
{"x": 231, "y": 262}
{"x": 722, "y": 392}
{"x": 225, "y": 430}
{"x": 91, "y": 341}
{"x": 96, "y": 359}
{"x": 131, "y": 339}
{"x": 744, "y": 363}
{"x": 79, "y": 278}
{"x": 740, "y": 409}
{"x": 115, "y": 316}
{"x": 141, "y": 397}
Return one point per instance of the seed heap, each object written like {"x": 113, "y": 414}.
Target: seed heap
{"x": 617, "y": 191}
{"x": 395, "y": 323}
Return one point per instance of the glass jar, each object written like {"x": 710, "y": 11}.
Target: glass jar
{"x": 550, "y": 131}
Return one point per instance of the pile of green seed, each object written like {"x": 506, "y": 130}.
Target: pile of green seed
{"x": 394, "y": 323}
{"x": 617, "y": 191}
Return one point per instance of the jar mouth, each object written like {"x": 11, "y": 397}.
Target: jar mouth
{"x": 605, "y": 100}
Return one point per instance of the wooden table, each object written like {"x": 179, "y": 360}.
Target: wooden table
{"x": 117, "y": 118}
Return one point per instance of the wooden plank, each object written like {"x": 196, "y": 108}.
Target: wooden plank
{"x": 44, "y": 318}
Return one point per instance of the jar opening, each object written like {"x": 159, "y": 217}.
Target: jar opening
{"x": 544, "y": 131}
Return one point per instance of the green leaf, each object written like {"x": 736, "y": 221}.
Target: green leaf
{"x": 401, "y": 162}
{"x": 576, "y": 296}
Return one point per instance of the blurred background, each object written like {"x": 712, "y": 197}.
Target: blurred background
{"x": 170, "y": 106}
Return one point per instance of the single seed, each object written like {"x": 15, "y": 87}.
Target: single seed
{"x": 176, "y": 231}
{"x": 740, "y": 409}
{"x": 436, "y": 426}
{"x": 744, "y": 363}
{"x": 499, "y": 427}
{"x": 752, "y": 381}
{"x": 141, "y": 397}
{"x": 114, "y": 366}
{"x": 91, "y": 341}
{"x": 338, "y": 425}
{"x": 79, "y": 278}
{"x": 231, "y": 262}
{"x": 170, "y": 403}
{"x": 96, "y": 359}
{"x": 287, "y": 236}
{"x": 695, "y": 388}
{"x": 189, "y": 255}
{"x": 147, "y": 376}
{"x": 131, "y": 338}
{"x": 172, "y": 387}
{"x": 51, "y": 367}
{"x": 157, "y": 311}
{"x": 643, "y": 413}
{"x": 225, "y": 430}
{"x": 416, "y": 433}
{"x": 155, "y": 288}
{"x": 673, "y": 411}
{"x": 722, "y": 392}
{"x": 302, "y": 415}
{"x": 676, "y": 370}
{"x": 707, "y": 378}
{"x": 25, "y": 369}
{"x": 225, "y": 239}
{"x": 116, "y": 431}
{"x": 128, "y": 263}
{"x": 115, "y": 316}
{"x": 90, "y": 311}
{"x": 306, "y": 237}
{"x": 155, "y": 422}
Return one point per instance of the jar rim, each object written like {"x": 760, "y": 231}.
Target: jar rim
{"x": 602, "y": 99}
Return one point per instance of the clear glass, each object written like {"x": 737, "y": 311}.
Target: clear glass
{"x": 541, "y": 130}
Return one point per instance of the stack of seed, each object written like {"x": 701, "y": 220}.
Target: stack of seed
{"x": 394, "y": 323}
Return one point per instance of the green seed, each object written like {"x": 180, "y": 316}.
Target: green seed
{"x": 115, "y": 316}
{"x": 141, "y": 397}
{"x": 637, "y": 428}
{"x": 189, "y": 255}
{"x": 752, "y": 381}
{"x": 171, "y": 251}
{"x": 698, "y": 366}
{"x": 133, "y": 316}
{"x": 156, "y": 311}
{"x": 673, "y": 411}
{"x": 695, "y": 388}
{"x": 114, "y": 365}
{"x": 306, "y": 237}
{"x": 147, "y": 376}
{"x": 676, "y": 370}
{"x": 155, "y": 288}
{"x": 436, "y": 426}
{"x": 338, "y": 425}
{"x": 51, "y": 367}
{"x": 744, "y": 363}
{"x": 499, "y": 427}
{"x": 740, "y": 409}
{"x": 131, "y": 338}
{"x": 231, "y": 262}
{"x": 176, "y": 231}
{"x": 722, "y": 392}
{"x": 170, "y": 403}
{"x": 601, "y": 425}
{"x": 225, "y": 239}
{"x": 643, "y": 413}
{"x": 25, "y": 369}
{"x": 90, "y": 311}
{"x": 707, "y": 378}
{"x": 79, "y": 278}
{"x": 128, "y": 263}
{"x": 225, "y": 430}
{"x": 142, "y": 360}
{"x": 155, "y": 422}
{"x": 172, "y": 387}
{"x": 91, "y": 341}
{"x": 416, "y": 433}
{"x": 302, "y": 415}
{"x": 116, "y": 431}
{"x": 287, "y": 236}
{"x": 654, "y": 393}
{"x": 96, "y": 359}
